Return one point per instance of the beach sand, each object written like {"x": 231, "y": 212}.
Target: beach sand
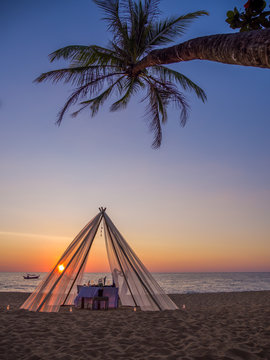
{"x": 212, "y": 326}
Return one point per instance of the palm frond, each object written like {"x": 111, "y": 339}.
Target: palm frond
{"x": 162, "y": 96}
{"x": 168, "y": 74}
{"x": 131, "y": 86}
{"x": 152, "y": 115}
{"x": 123, "y": 53}
{"x": 151, "y": 7}
{"x": 139, "y": 28}
{"x": 87, "y": 89}
{"x": 162, "y": 100}
{"x": 148, "y": 7}
{"x": 115, "y": 22}
{"x": 165, "y": 31}
{"x": 98, "y": 101}
{"x": 86, "y": 55}
{"x": 67, "y": 52}
{"x": 111, "y": 10}
{"x": 173, "y": 95}
{"x": 76, "y": 76}
{"x": 71, "y": 100}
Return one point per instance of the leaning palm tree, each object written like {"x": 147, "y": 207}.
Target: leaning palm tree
{"x": 98, "y": 72}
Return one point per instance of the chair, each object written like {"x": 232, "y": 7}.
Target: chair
{"x": 98, "y": 300}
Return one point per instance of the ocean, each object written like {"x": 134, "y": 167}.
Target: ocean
{"x": 172, "y": 283}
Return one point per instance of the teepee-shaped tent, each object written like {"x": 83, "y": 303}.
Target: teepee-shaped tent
{"x": 136, "y": 285}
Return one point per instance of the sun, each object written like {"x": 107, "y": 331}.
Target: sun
{"x": 61, "y": 267}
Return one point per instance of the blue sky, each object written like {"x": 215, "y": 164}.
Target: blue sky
{"x": 205, "y": 191}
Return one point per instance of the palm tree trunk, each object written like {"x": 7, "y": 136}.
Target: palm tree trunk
{"x": 250, "y": 48}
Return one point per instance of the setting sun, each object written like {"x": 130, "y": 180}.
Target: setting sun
{"x": 61, "y": 267}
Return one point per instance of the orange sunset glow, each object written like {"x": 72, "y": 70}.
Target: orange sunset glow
{"x": 165, "y": 251}
{"x": 61, "y": 268}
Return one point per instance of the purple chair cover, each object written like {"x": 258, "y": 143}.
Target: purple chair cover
{"x": 112, "y": 293}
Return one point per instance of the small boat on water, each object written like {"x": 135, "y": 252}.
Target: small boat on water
{"x": 31, "y": 276}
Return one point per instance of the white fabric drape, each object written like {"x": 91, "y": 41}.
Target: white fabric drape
{"x": 136, "y": 285}
{"x": 60, "y": 287}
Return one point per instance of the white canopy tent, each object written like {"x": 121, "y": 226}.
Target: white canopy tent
{"x": 136, "y": 285}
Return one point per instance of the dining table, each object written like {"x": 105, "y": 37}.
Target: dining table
{"x": 91, "y": 292}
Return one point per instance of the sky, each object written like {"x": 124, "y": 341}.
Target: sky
{"x": 199, "y": 203}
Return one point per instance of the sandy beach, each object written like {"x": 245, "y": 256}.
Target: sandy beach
{"x": 212, "y": 326}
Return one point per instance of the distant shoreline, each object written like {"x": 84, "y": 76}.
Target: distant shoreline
{"x": 171, "y": 283}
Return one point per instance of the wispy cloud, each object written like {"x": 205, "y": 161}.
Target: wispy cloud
{"x": 21, "y": 234}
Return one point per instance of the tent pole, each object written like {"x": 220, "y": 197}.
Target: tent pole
{"x": 137, "y": 274}
{"x": 54, "y": 285}
{"x": 109, "y": 232}
{"x": 85, "y": 257}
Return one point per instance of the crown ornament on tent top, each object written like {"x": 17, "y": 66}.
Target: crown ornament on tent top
{"x": 136, "y": 285}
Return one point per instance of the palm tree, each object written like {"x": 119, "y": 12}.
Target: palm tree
{"x": 98, "y": 72}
